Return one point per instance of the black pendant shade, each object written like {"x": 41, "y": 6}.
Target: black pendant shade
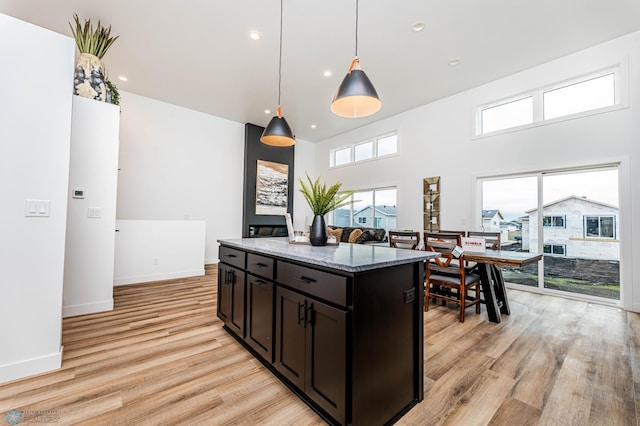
{"x": 278, "y": 133}
{"x": 356, "y": 96}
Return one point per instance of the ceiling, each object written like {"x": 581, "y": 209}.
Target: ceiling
{"x": 198, "y": 54}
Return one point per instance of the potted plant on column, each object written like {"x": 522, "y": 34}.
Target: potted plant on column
{"x": 322, "y": 200}
{"x": 89, "y": 79}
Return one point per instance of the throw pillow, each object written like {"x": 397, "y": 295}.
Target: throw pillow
{"x": 335, "y": 232}
{"x": 354, "y": 235}
{"x": 366, "y": 236}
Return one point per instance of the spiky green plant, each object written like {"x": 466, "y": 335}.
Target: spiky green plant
{"x": 321, "y": 199}
{"x": 96, "y": 42}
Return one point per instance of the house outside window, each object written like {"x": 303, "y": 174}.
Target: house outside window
{"x": 374, "y": 208}
{"x": 599, "y": 227}
{"x": 554, "y": 221}
{"x": 555, "y": 249}
{"x": 362, "y": 220}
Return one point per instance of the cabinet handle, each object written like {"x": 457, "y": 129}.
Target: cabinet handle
{"x": 260, "y": 282}
{"x": 302, "y": 315}
{"x": 261, "y": 265}
{"x": 231, "y": 255}
{"x": 230, "y": 277}
{"x": 306, "y": 280}
{"x": 308, "y": 315}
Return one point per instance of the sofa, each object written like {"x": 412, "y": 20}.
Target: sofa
{"x": 362, "y": 235}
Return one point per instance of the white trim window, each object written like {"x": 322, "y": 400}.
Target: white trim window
{"x": 585, "y": 95}
{"x": 554, "y": 221}
{"x": 600, "y": 227}
{"x": 377, "y": 147}
{"x": 555, "y": 249}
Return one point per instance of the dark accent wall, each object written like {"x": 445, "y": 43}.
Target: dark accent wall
{"x": 255, "y": 150}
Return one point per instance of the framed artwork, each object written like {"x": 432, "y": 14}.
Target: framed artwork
{"x": 272, "y": 185}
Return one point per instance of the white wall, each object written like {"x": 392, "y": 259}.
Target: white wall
{"x": 90, "y": 242}
{"x": 179, "y": 164}
{"x": 436, "y": 140}
{"x": 36, "y": 82}
{"x": 152, "y": 250}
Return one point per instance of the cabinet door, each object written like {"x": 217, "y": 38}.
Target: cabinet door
{"x": 259, "y": 327}
{"x": 235, "y": 319}
{"x": 325, "y": 372}
{"x": 224, "y": 292}
{"x": 290, "y": 335}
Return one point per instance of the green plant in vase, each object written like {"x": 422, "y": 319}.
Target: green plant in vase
{"x": 93, "y": 44}
{"x": 322, "y": 199}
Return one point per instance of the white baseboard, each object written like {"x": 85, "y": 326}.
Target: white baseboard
{"x": 30, "y": 367}
{"x": 87, "y": 308}
{"x": 158, "y": 277}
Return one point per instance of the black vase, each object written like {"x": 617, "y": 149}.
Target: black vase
{"x": 318, "y": 233}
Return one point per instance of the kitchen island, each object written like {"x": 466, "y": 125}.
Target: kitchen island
{"x": 341, "y": 326}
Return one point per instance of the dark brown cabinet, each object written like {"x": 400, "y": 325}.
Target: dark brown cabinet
{"x": 259, "y": 329}
{"x": 310, "y": 349}
{"x": 347, "y": 342}
{"x": 231, "y": 297}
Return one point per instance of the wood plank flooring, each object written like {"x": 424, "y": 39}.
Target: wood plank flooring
{"x": 162, "y": 358}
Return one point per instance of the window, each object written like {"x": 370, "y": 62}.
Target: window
{"x": 554, "y": 221}
{"x": 363, "y": 151}
{"x": 599, "y": 226}
{"x": 588, "y": 93}
{"x": 375, "y": 148}
{"x": 343, "y": 156}
{"x": 510, "y": 114}
{"x": 556, "y": 249}
{"x": 374, "y": 208}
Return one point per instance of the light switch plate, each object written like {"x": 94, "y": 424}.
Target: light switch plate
{"x": 37, "y": 208}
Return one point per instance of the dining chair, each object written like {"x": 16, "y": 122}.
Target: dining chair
{"x": 446, "y": 276}
{"x": 404, "y": 239}
{"x": 461, "y": 233}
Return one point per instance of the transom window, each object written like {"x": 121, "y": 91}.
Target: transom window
{"x": 599, "y": 226}
{"x": 374, "y": 148}
{"x": 554, "y": 221}
{"x": 588, "y": 93}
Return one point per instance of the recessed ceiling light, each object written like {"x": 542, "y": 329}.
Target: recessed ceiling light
{"x": 454, "y": 62}
{"x": 123, "y": 78}
{"x": 313, "y": 126}
{"x": 267, "y": 111}
{"x": 254, "y": 35}
{"x": 418, "y": 26}
{"x": 327, "y": 73}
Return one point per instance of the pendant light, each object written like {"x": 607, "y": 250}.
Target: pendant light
{"x": 356, "y": 97}
{"x": 278, "y": 132}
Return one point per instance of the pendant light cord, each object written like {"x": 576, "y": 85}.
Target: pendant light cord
{"x": 280, "y": 59}
{"x": 357, "y": 28}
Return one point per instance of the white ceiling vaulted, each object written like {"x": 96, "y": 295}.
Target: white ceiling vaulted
{"x": 198, "y": 54}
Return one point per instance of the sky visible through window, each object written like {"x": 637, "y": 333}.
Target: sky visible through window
{"x": 514, "y": 196}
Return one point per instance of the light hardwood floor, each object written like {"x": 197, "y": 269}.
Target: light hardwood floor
{"x": 161, "y": 357}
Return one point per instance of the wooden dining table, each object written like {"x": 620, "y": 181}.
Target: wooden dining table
{"x": 489, "y": 264}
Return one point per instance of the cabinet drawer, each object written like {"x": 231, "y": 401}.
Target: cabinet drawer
{"x": 324, "y": 285}
{"x": 232, "y": 256}
{"x": 260, "y": 265}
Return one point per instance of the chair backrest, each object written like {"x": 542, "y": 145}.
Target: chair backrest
{"x": 404, "y": 239}
{"x": 492, "y": 238}
{"x": 461, "y": 233}
{"x": 444, "y": 244}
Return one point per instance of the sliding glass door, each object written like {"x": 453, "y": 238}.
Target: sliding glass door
{"x": 572, "y": 217}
